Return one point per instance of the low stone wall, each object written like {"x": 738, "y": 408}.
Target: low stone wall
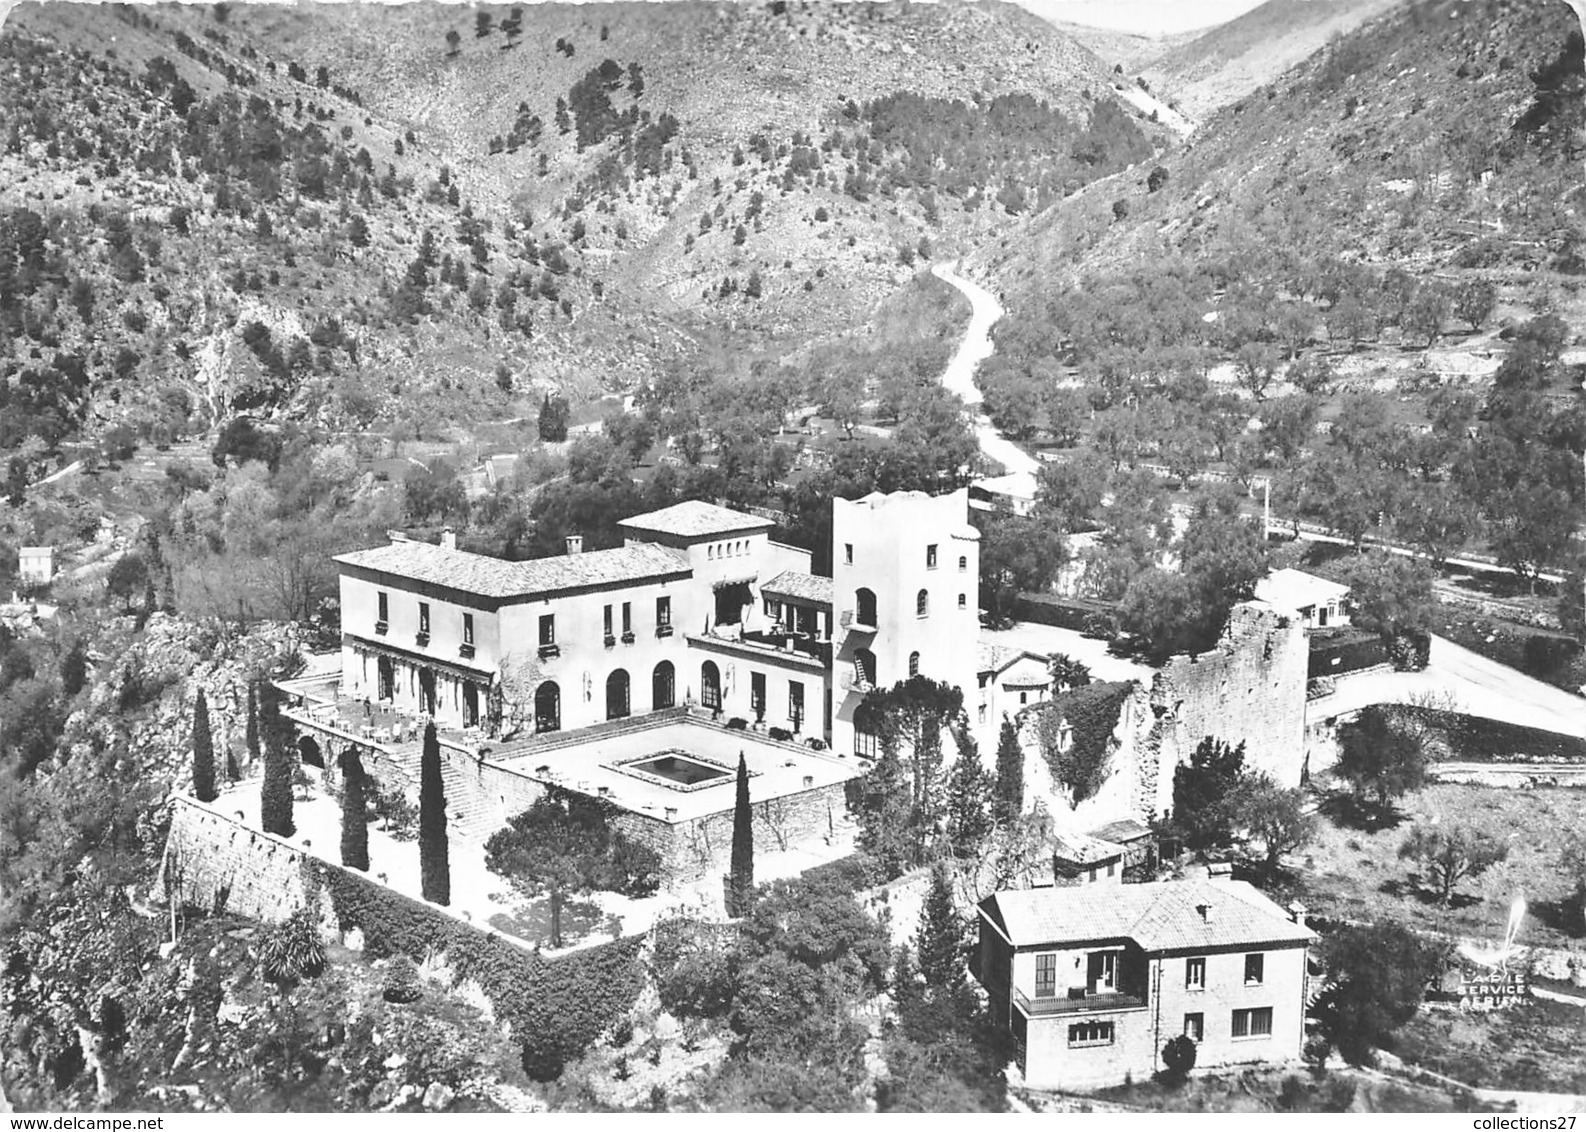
{"x": 703, "y": 846}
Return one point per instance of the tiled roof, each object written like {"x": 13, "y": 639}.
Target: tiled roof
{"x": 1082, "y": 849}
{"x": 496, "y": 578}
{"x": 1122, "y": 832}
{"x": 800, "y": 587}
{"x": 994, "y": 658}
{"x": 1291, "y": 589}
{"x": 694, "y": 518}
{"x": 1164, "y": 916}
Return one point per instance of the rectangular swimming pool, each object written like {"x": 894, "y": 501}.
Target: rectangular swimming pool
{"x": 679, "y": 769}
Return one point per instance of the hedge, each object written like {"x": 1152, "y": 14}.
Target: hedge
{"x": 556, "y": 1007}
{"x": 854, "y": 873}
{"x": 1477, "y": 739}
{"x": 1336, "y": 652}
{"x": 1076, "y": 613}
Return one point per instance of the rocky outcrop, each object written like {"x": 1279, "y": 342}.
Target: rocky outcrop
{"x": 142, "y": 694}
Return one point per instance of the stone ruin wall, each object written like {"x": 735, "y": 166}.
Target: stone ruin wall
{"x": 1250, "y": 689}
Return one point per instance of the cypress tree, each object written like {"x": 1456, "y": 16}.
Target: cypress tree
{"x": 253, "y": 726}
{"x": 203, "y": 752}
{"x": 941, "y": 937}
{"x": 434, "y": 866}
{"x": 1008, "y": 802}
{"x": 740, "y": 884}
{"x": 275, "y": 799}
{"x": 354, "y": 813}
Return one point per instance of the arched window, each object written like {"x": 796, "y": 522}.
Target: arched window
{"x": 710, "y": 552}
{"x": 710, "y": 685}
{"x": 922, "y": 604}
{"x": 663, "y": 686}
{"x": 865, "y": 606}
{"x": 548, "y": 707}
{"x": 914, "y": 664}
{"x": 865, "y": 666}
{"x": 963, "y": 563}
{"x": 617, "y": 695}
{"x": 963, "y": 601}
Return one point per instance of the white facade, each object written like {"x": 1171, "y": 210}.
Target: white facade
{"x": 700, "y": 606}
{"x": 905, "y": 583}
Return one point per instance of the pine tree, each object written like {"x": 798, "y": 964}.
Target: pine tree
{"x": 885, "y": 827}
{"x": 203, "y": 752}
{"x": 941, "y": 938}
{"x": 354, "y": 813}
{"x": 1008, "y": 801}
{"x": 275, "y": 799}
{"x": 740, "y": 885}
{"x": 969, "y": 788}
{"x": 434, "y": 867}
{"x": 74, "y": 668}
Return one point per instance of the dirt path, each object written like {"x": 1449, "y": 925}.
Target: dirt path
{"x": 959, "y": 377}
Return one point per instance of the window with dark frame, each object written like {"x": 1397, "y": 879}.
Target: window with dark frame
{"x": 605, "y": 621}
{"x": 547, "y": 629}
{"x": 1046, "y": 974}
{"x": 382, "y": 607}
{"x": 795, "y": 702}
{"x": 864, "y": 744}
{"x": 1252, "y": 1023}
{"x": 663, "y": 613}
{"x": 1095, "y": 1033}
{"x": 424, "y": 622}
{"x": 930, "y": 557}
{"x": 1255, "y": 969}
{"x": 1195, "y": 1026}
{"x": 627, "y": 619}
{"x": 468, "y": 628}
{"x": 1195, "y": 973}
{"x": 848, "y": 553}
{"x": 922, "y": 604}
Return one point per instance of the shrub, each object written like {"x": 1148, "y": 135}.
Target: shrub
{"x": 401, "y": 981}
{"x": 1178, "y": 1057}
{"x": 737, "y": 723}
{"x": 292, "y": 949}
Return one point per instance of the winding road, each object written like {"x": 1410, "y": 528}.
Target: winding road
{"x": 959, "y": 377}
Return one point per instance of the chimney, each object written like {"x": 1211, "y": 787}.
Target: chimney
{"x": 449, "y": 538}
{"x": 1220, "y": 870}
{"x": 1206, "y": 912}
{"x": 1297, "y": 913}
{"x": 575, "y": 544}
{"x": 397, "y": 536}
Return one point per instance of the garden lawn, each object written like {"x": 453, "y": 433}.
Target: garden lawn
{"x": 1540, "y": 1047}
{"x": 1273, "y": 1089}
{"x": 1357, "y": 875}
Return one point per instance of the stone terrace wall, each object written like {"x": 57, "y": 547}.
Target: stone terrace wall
{"x": 1250, "y": 689}
{"x": 702, "y": 847}
{"x": 214, "y": 859}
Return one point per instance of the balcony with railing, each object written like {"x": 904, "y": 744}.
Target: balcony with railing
{"x": 1076, "y": 1000}
{"x": 804, "y": 649}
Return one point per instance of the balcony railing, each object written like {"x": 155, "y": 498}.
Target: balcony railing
{"x": 422, "y": 637}
{"x": 466, "y": 649}
{"x": 663, "y": 630}
{"x": 549, "y": 650}
{"x": 1084, "y": 1003}
{"x": 380, "y": 627}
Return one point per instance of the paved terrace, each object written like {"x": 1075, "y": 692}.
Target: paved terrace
{"x": 593, "y": 765}
{"x": 580, "y": 759}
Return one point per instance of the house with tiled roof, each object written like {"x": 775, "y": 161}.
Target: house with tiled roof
{"x": 699, "y": 605}
{"x": 1094, "y": 980}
